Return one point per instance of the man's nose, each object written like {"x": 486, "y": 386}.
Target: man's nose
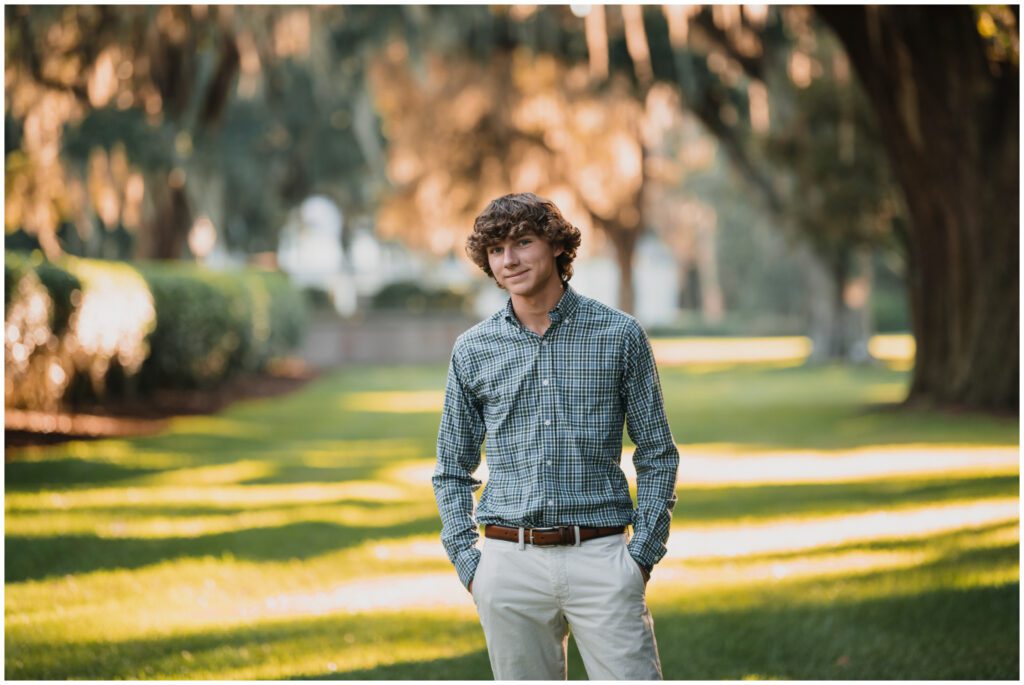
{"x": 511, "y": 256}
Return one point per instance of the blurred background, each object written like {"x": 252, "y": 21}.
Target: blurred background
{"x": 813, "y": 211}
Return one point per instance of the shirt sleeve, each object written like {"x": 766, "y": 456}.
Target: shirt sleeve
{"x": 458, "y": 456}
{"x": 656, "y": 458}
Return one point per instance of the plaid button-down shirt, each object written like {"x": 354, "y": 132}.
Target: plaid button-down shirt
{"x": 552, "y": 409}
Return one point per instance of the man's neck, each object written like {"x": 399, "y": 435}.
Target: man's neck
{"x": 532, "y": 311}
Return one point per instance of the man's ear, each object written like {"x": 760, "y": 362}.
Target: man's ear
{"x": 558, "y": 250}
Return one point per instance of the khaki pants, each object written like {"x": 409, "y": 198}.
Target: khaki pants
{"x": 529, "y": 598}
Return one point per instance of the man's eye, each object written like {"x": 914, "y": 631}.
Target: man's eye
{"x": 525, "y": 241}
{"x": 495, "y": 250}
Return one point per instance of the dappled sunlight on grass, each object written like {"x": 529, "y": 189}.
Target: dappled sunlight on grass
{"x": 716, "y": 354}
{"x": 119, "y": 452}
{"x": 219, "y": 426}
{"x": 791, "y": 534}
{"x": 895, "y": 348}
{"x": 885, "y": 393}
{"x": 307, "y": 544}
{"x": 700, "y": 351}
{"x": 429, "y": 401}
{"x": 216, "y": 474}
{"x": 342, "y": 452}
{"x": 417, "y": 474}
{"x": 112, "y": 524}
{"x": 224, "y": 496}
{"x": 388, "y": 593}
{"x": 724, "y": 465}
{"x": 194, "y": 594}
{"x": 730, "y": 465}
{"x": 748, "y": 570}
{"x": 276, "y": 649}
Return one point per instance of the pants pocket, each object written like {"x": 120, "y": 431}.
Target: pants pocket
{"x": 478, "y": 576}
{"x": 633, "y": 569}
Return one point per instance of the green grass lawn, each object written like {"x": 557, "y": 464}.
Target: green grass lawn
{"x": 819, "y": 535}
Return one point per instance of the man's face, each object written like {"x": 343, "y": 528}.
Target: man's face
{"x": 524, "y": 265}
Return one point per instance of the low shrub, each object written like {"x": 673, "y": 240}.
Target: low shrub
{"x": 411, "y": 296}
{"x": 83, "y": 329}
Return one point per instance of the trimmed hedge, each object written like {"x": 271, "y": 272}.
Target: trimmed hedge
{"x": 85, "y": 329}
{"x": 411, "y": 296}
{"x": 213, "y": 324}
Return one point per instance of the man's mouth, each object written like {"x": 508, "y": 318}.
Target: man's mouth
{"x": 516, "y": 275}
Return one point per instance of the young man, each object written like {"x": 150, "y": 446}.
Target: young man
{"x": 549, "y": 381}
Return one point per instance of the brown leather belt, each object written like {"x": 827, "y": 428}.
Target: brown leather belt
{"x": 543, "y": 537}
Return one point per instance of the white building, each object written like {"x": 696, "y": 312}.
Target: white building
{"x": 311, "y": 252}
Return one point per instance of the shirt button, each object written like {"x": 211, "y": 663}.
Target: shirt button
{"x": 544, "y": 343}
{"x": 551, "y": 502}
{"x": 545, "y": 381}
{"x": 549, "y": 462}
{"x": 548, "y": 422}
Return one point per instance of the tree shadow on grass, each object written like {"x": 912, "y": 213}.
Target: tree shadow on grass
{"x": 811, "y": 407}
{"x": 337, "y": 639}
{"x": 67, "y": 473}
{"x": 286, "y": 461}
{"x": 837, "y": 632}
{"x": 191, "y": 510}
{"x": 473, "y": 666}
{"x": 880, "y": 625}
{"x": 290, "y": 474}
{"x": 937, "y": 635}
{"x": 955, "y": 539}
{"x": 34, "y": 558}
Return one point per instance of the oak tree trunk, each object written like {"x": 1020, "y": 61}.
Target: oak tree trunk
{"x": 624, "y": 239}
{"x": 168, "y": 229}
{"x": 949, "y": 118}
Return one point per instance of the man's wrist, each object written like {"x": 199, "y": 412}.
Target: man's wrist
{"x": 642, "y": 564}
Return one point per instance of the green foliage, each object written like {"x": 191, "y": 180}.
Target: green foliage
{"x": 62, "y": 286}
{"x": 411, "y": 296}
{"x": 65, "y": 289}
{"x": 289, "y": 313}
{"x": 768, "y": 322}
{"x": 211, "y": 325}
{"x": 147, "y": 146}
{"x": 318, "y": 299}
{"x": 889, "y": 311}
{"x": 14, "y": 269}
{"x": 890, "y": 308}
{"x": 39, "y": 301}
{"x": 197, "y": 330}
{"x": 827, "y": 146}
{"x": 80, "y": 324}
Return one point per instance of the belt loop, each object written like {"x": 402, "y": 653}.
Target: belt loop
{"x": 522, "y": 538}
{"x": 578, "y": 542}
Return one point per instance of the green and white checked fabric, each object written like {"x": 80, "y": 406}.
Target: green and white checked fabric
{"x": 552, "y": 409}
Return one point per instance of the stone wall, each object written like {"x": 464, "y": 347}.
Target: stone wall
{"x": 382, "y": 339}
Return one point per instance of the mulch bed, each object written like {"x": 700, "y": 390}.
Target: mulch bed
{"x": 149, "y": 415}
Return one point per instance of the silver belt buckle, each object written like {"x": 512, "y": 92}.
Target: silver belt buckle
{"x": 542, "y": 530}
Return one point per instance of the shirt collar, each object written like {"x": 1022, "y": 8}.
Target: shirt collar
{"x": 566, "y": 307}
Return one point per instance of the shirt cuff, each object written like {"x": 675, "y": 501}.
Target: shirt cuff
{"x": 465, "y": 565}
{"x": 642, "y": 564}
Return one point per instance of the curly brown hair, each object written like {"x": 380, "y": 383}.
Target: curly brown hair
{"x": 511, "y": 216}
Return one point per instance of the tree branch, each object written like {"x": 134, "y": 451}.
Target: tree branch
{"x": 752, "y": 66}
